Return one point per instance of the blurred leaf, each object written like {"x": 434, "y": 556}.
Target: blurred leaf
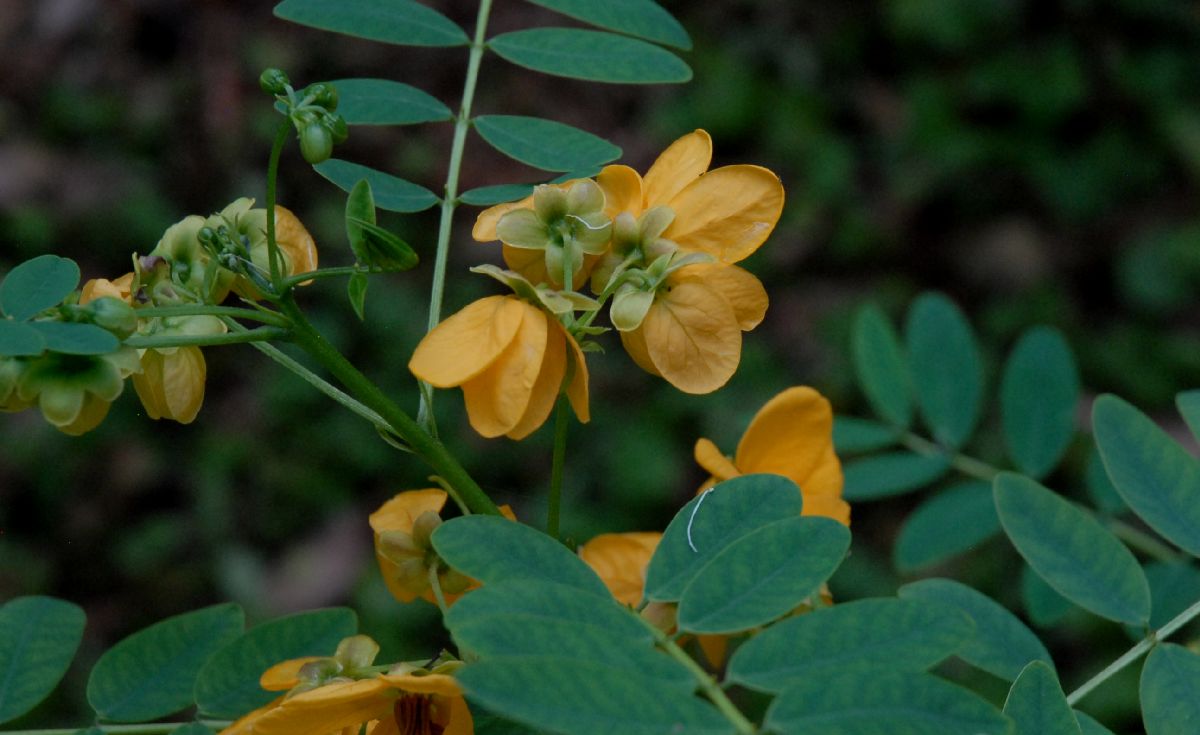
{"x": 561, "y": 695}
{"x": 1038, "y": 396}
{"x": 152, "y": 673}
{"x": 949, "y": 523}
{"x": 711, "y": 522}
{"x": 544, "y": 144}
{"x": 356, "y": 291}
{"x": 38, "y": 639}
{"x": 227, "y": 685}
{"x": 853, "y": 435}
{"x": 946, "y": 368}
{"x": 1188, "y": 404}
{"x": 1089, "y": 726}
{"x": 513, "y": 551}
{"x": 1001, "y": 644}
{"x": 593, "y": 55}
{"x": 71, "y": 338}
{"x": 1067, "y": 547}
{"x": 1099, "y": 487}
{"x": 18, "y": 339}
{"x": 1043, "y": 604}
{"x": 36, "y": 285}
{"x": 643, "y": 18}
{"x": 880, "y": 366}
{"x": 1174, "y": 587}
{"x": 877, "y": 634}
{"x": 384, "y": 102}
{"x": 402, "y": 22}
{"x": 1037, "y": 705}
{"x": 391, "y": 192}
{"x": 860, "y": 702}
{"x": 891, "y": 473}
{"x": 1153, "y": 474}
{"x": 486, "y": 196}
{"x": 763, "y": 575}
{"x": 1170, "y": 690}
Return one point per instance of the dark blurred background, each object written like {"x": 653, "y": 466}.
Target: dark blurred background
{"x": 1037, "y": 161}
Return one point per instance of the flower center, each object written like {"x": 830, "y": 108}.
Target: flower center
{"x": 414, "y": 715}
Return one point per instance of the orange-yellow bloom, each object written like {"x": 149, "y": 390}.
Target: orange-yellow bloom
{"x": 510, "y": 358}
{"x": 691, "y": 333}
{"x": 620, "y": 560}
{"x": 792, "y": 435}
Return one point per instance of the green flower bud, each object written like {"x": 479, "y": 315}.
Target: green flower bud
{"x": 629, "y": 307}
{"x": 339, "y": 130}
{"x": 273, "y": 81}
{"x": 356, "y": 652}
{"x": 112, "y": 314}
{"x": 423, "y": 528}
{"x": 316, "y": 143}
{"x": 324, "y": 95}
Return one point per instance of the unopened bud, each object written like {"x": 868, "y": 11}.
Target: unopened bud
{"x": 273, "y": 81}
{"x": 112, "y": 314}
{"x": 424, "y": 527}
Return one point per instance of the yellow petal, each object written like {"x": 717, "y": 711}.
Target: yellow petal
{"x": 427, "y": 684}
{"x": 635, "y": 344}
{"x": 97, "y": 287}
{"x": 183, "y": 375}
{"x": 743, "y": 291}
{"x": 620, "y": 560}
{"x": 622, "y": 187}
{"x": 485, "y": 224}
{"x": 285, "y": 674}
{"x": 295, "y": 241}
{"x": 399, "y": 513}
{"x": 547, "y": 387}
{"x": 531, "y": 264}
{"x": 693, "y": 338}
{"x": 727, "y": 212}
{"x": 149, "y": 384}
{"x": 497, "y": 398}
{"x": 92, "y": 412}
{"x": 577, "y": 389}
{"x": 714, "y": 647}
{"x": 464, "y": 345}
{"x": 460, "y": 721}
{"x": 711, "y": 459}
{"x": 828, "y": 506}
{"x": 679, "y": 165}
{"x": 788, "y": 436}
{"x": 327, "y": 709}
{"x": 245, "y": 724}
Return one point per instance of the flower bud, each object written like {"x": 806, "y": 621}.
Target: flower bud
{"x": 324, "y": 95}
{"x": 112, "y": 314}
{"x": 273, "y": 81}
{"x": 356, "y": 652}
{"x": 424, "y": 527}
{"x": 316, "y": 143}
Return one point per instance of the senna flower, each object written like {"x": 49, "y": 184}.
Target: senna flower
{"x": 74, "y": 392}
{"x": 402, "y": 527}
{"x": 792, "y": 435}
{"x": 685, "y": 323}
{"x": 510, "y": 358}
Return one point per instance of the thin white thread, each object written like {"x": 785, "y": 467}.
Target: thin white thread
{"x": 692, "y": 519}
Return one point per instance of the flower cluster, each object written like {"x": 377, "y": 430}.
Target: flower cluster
{"x": 659, "y": 249}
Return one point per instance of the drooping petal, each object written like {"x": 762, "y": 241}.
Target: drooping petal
{"x": 622, "y": 187}
{"x": 90, "y": 416}
{"x": 577, "y": 389}
{"x": 295, "y": 241}
{"x": 620, "y": 560}
{"x": 328, "y": 708}
{"x": 635, "y": 344}
{"x": 788, "y": 436}
{"x": 465, "y": 344}
{"x": 460, "y": 721}
{"x": 727, "y": 212}
{"x": 709, "y": 457}
{"x": 743, "y": 291}
{"x": 183, "y": 376}
{"x": 442, "y": 684}
{"x": 692, "y": 337}
{"x": 399, "y": 513}
{"x": 497, "y": 398}
{"x": 531, "y": 265}
{"x": 547, "y": 387}
{"x": 828, "y": 506}
{"x": 679, "y": 165}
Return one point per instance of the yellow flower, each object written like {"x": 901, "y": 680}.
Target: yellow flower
{"x": 620, "y": 560}
{"x": 171, "y": 384}
{"x": 690, "y": 333}
{"x": 792, "y": 435}
{"x": 510, "y": 358}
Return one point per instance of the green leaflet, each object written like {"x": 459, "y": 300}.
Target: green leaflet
{"x": 510, "y": 551}
{"x": 711, "y": 522}
{"x": 152, "y": 673}
{"x": 946, "y": 369}
{"x": 896, "y": 703}
{"x": 1188, "y": 404}
{"x": 486, "y": 196}
{"x": 1170, "y": 690}
{"x": 384, "y": 102}
{"x": 1089, "y": 726}
{"x": 879, "y": 634}
{"x": 891, "y": 473}
{"x": 947, "y": 524}
{"x": 391, "y": 192}
{"x": 1038, "y": 395}
{"x": 763, "y": 575}
{"x": 227, "y": 685}
{"x": 1037, "y": 705}
{"x": 643, "y": 18}
{"x": 36, "y": 285}
{"x": 1153, "y": 474}
{"x": 881, "y": 367}
{"x": 854, "y": 435}
{"x": 593, "y": 55}
{"x": 545, "y": 144}
{"x": 1069, "y": 549}
{"x": 401, "y": 22}
{"x": 38, "y": 640}
{"x": 20, "y": 339}
{"x": 1044, "y": 606}
{"x": 71, "y": 338}
{"x": 1001, "y": 644}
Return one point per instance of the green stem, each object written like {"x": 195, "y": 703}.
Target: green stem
{"x": 361, "y": 387}
{"x": 148, "y": 729}
{"x": 1136, "y": 652}
{"x": 259, "y": 315}
{"x": 272, "y": 178}
{"x": 554, "y": 505}
{"x": 436, "y": 585}
{"x": 706, "y": 682}
{"x": 339, "y": 271}
{"x": 261, "y": 334}
{"x": 461, "y": 122}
